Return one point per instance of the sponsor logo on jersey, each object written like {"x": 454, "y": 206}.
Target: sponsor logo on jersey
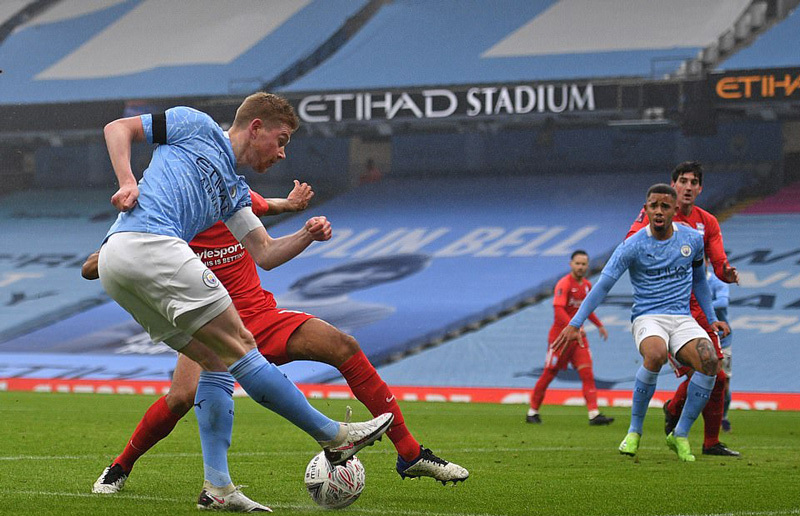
{"x": 210, "y": 279}
{"x": 686, "y": 250}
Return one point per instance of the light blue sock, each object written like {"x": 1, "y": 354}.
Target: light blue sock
{"x": 268, "y": 386}
{"x": 213, "y": 406}
{"x": 643, "y": 391}
{"x": 697, "y": 394}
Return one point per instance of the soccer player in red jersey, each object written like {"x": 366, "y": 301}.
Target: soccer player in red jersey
{"x": 687, "y": 179}
{"x": 282, "y": 336}
{"x": 570, "y": 292}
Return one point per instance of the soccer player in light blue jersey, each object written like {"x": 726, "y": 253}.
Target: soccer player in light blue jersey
{"x": 665, "y": 262}
{"x": 146, "y": 265}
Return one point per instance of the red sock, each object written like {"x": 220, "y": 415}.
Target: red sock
{"x": 155, "y": 425}
{"x": 712, "y": 413}
{"x": 370, "y": 389}
{"x": 675, "y": 406}
{"x": 589, "y": 389}
{"x": 541, "y": 386}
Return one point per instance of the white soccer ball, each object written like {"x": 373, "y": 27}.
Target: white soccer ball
{"x": 334, "y": 487}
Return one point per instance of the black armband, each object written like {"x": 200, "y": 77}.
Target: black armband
{"x": 160, "y": 128}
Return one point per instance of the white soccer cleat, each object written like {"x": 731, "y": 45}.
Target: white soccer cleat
{"x": 352, "y": 437}
{"x": 111, "y": 481}
{"x": 427, "y": 464}
{"x": 228, "y": 499}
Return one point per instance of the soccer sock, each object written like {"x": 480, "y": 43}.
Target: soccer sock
{"x": 589, "y": 389}
{"x": 213, "y": 406}
{"x": 712, "y": 412}
{"x": 697, "y": 395}
{"x": 370, "y": 389}
{"x": 678, "y": 399}
{"x": 643, "y": 390}
{"x": 728, "y": 398}
{"x": 155, "y": 425}
{"x": 269, "y": 387}
{"x": 537, "y": 397}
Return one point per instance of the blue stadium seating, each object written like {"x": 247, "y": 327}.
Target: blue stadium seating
{"x": 774, "y": 49}
{"x": 410, "y": 261}
{"x": 112, "y": 52}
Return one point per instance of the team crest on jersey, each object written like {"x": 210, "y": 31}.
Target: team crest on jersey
{"x": 210, "y": 279}
{"x": 686, "y": 250}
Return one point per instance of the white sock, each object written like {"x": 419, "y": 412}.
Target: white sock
{"x": 593, "y": 413}
{"x": 532, "y": 412}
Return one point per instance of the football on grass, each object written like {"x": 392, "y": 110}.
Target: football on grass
{"x": 334, "y": 487}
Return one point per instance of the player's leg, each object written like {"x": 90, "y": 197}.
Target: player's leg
{"x": 651, "y": 337}
{"x": 269, "y": 387}
{"x": 554, "y": 362}
{"x": 317, "y": 340}
{"x": 715, "y": 409}
{"x": 726, "y": 366}
{"x": 158, "y": 421}
{"x": 582, "y": 362}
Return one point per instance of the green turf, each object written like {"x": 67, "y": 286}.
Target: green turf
{"x": 53, "y": 446}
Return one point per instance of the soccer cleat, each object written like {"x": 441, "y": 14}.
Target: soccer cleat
{"x": 228, "y": 499}
{"x": 680, "y": 445}
{"x": 601, "y": 420}
{"x": 429, "y": 465}
{"x": 533, "y": 419}
{"x": 354, "y": 436}
{"x": 630, "y": 445}
{"x": 670, "y": 421}
{"x": 726, "y": 425}
{"x": 720, "y": 449}
{"x": 111, "y": 481}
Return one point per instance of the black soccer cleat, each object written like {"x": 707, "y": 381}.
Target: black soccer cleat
{"x": 601, "y": 420}
{"x": 721, "y": 450}
{"x": 670, "y": 421}
{"x": 111, "y": 480}
{"x": 533, "y": 419}
{"x": 427, "y": 464}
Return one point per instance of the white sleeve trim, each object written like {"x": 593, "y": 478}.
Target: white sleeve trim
{"x": 243, "y": 222}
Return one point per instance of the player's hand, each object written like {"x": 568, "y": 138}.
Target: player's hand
{"x": 603, "y": 332}
{"x": 566, "y": 336}
{"x": 89, "y": 267}
{"x": 300, "y": 196}
{"x": 721, "y": 327}
{"x": 319, "y": 228}
{"x": 730, "y": 274}
{"x": 125, "y": 198}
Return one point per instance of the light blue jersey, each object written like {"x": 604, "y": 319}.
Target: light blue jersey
{"x": 660, "y": 270}
{"x": 191, "y": 181}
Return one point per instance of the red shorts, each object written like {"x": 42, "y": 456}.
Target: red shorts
{"x": 272, "y": 328}
{"x": 681, "y": 370}
{"x": 578, "y": 356}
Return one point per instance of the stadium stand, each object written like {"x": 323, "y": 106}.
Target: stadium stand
{"x": 411, "y": 261}
{"x": 763, "y": 315}
{"x": 773, "y": 49}
{"x": 458, "y": 42}
{"x": 80, "y": 51}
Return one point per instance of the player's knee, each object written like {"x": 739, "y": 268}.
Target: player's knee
{"x": 655, "y": 358}
{"x": 180, "y": 401}
{"x": 345, "y": 346}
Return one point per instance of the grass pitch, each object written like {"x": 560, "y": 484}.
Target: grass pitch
{"x": 53, "y": 447}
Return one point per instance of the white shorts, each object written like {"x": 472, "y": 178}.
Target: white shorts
{"x": 727, "y": 357}
{"x": 675, "y": 330}
{"x": 162, "y": 284}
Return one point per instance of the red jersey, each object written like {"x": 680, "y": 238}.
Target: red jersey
{"x": 234, "y": 267}
{"x": 569, "y": 294}
{"x": 708, "y": 226}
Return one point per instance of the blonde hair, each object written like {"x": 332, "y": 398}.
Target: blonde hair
{"x": 270, "y": 108}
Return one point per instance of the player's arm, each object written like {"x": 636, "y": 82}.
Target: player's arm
{"x": 89, "y": 267}
{"x": 640, "y": 222}
{"x": 560, "y": 315}
{"x": 297, "y": 200}
{"x": 721, "y": 294}
{"x": 270, "y": 252}
{"x": 600, "y": 328}
{"x": 120, "y": 135}
{"x": 715, "y": 250}
{"x": 702, "y": 293}
{"x": 596, "y": 296}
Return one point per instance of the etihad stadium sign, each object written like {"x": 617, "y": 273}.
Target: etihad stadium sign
{"x": 438, "y": 103}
